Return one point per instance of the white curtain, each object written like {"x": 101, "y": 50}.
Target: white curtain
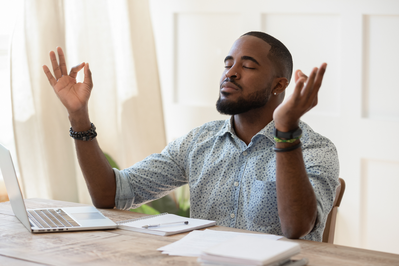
{"x": 116, "y": 38}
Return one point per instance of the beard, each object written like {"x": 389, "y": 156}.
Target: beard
{"x": 253, "y": 101}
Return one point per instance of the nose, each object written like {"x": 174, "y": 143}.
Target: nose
{"x": 232, "y": 73}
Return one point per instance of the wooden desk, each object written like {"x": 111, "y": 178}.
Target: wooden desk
{"x": 122, "y": 247}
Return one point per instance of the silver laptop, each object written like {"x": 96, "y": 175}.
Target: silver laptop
{"x": 48, "y": 219}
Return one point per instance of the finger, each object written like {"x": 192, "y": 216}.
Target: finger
{"x": 315, "y": 101}
{"x": 317, "y": 84}
{"x": 297, "y": 77}
{"x": 320, "y": 75}
{"x": 87, "y": 79}
{"x": 299, "y": 74}
{"x": 56, "y": 67}
{"x": 307, "y": 91}
{"x": 298, "y": 87}
{"x": 50, "y": 77}
{"x": 61, "y": 57}
{"x": 74, "y": 71}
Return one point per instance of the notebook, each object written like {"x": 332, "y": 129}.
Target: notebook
{"x": 164, "y": 224}
{"x": 249, "y": 250}
{"x": 48, "y": 220}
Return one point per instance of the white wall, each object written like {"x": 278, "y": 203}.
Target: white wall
{"x": 357, "y": 108}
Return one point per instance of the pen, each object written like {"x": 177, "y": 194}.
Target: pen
{"x": 158, "y": 225}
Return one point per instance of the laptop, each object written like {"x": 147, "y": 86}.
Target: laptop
{"x": 46, "y": 220}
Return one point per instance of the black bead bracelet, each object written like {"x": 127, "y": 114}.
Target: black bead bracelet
{"x": 84, "y": 135}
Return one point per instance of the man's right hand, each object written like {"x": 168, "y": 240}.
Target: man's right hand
{"x": 99, "y": 176}
{"x": 73, "y": 95}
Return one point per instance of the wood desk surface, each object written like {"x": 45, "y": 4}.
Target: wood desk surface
{"x": 122, "y": 247}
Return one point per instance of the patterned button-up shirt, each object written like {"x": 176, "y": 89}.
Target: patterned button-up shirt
{"x": 230, "y": 182}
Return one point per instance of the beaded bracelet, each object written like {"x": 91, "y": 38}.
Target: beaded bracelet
{"x": 84, "y": 135}
{"x": 291, "y": 148}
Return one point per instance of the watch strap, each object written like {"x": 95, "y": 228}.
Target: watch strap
{"x": 290, "y": 136}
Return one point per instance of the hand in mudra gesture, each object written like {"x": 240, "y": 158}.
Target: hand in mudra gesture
{"x": 73, "y": 95}
{"x": 287, "y": 114}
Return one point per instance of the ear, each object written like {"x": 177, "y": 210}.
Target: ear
{"x": 279, "y": 85}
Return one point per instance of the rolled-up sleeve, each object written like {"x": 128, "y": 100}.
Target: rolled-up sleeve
{"x": 155, "y": 176}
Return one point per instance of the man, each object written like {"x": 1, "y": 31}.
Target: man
{"x": 248, "y": 172}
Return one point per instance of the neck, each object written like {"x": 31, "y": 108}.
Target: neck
{"x": 248, "y": 124}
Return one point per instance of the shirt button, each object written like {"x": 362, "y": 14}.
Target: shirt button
{"x": 245, "y": 153}
{"x": 236, "y": 184}
{"x": 232, "y": 215}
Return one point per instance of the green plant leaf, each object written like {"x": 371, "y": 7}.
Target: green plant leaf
{"x": 145, "y": 209}
{"x": 165, "y": 204}
{"x": 183, "y": 197}
{"x": 111, "y": 161}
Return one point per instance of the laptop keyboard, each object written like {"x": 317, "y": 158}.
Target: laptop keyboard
{"x": 50, "y": 218}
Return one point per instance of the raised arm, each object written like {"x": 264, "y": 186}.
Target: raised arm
{"x": 296, "y": 200}
{"x": 99, "y": 176}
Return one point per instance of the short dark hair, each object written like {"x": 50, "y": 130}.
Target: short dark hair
{"x": 278, "y": 54}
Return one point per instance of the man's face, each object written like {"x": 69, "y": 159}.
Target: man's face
{"x": 247, "y": 79}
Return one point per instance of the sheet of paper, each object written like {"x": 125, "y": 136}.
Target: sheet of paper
{"x": 195, "y": 242}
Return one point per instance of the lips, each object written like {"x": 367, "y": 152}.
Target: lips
{"x": 229, "y": 87}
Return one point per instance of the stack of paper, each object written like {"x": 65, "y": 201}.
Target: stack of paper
{"x": 249, "y": 250}
{"x": 196, "y": 242}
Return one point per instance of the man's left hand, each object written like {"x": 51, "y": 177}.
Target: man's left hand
{"x": 287, "y": 114}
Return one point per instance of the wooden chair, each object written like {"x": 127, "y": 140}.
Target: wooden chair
{"x": 329, "y": 230}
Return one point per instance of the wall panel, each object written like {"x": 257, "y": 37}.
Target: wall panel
{"x": 381, "y": 68}
{"x": 380, "y": 183}
{"x": 311, "y": 50}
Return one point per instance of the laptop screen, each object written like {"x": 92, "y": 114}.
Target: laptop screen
{"x": 12, "y": 186}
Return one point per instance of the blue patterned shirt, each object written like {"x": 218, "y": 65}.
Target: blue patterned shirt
{"x": 230, "y": 182}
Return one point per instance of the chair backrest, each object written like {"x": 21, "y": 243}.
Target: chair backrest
{"x": 329, "y": 230}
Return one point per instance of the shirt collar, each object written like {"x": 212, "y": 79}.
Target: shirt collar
{"x": 267, "y": 131}
{"x": 227, "y": 127}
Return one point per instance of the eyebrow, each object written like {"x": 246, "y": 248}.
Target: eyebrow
{"x": 245, "y": 57}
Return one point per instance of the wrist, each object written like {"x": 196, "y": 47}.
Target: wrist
{"x": 286, "y": 127}
{"x": 80, "y": 121}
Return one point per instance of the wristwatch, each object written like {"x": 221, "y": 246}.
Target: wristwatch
{"x": 293, "y": 134}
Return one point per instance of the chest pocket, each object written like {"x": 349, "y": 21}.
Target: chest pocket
{"x": 263, "y": 190}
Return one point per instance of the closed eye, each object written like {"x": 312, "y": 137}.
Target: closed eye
{"x": 248, "y": 67}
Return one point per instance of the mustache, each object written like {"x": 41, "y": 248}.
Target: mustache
{"x": 231, "y": 80}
